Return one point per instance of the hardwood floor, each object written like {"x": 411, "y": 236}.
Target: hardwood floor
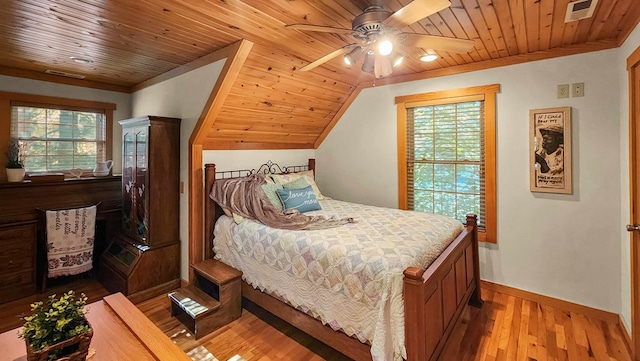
{"x": 506, "y": 328}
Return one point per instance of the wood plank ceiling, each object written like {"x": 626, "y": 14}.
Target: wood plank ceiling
{"x": 272, "y": 104}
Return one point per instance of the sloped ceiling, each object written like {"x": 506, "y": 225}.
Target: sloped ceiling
{"x": 271, "y": 104}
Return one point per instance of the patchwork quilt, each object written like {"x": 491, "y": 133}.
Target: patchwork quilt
{"x": 348, "y": 277}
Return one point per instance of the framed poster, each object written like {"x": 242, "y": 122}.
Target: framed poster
{"x": 550, "y": 151}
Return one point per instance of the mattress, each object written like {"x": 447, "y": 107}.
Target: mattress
{"x": 348, "y": 277}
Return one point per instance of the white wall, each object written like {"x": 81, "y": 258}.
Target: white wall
{"x": 122, "y": 101}
{"x": 252, "y": 159}
{"x": 181, "y": 97}
{"x": 563, "y": 246}
{"x": 629, "y": 46}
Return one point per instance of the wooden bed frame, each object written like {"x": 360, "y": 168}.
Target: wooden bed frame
{"x": 434, "y": 298}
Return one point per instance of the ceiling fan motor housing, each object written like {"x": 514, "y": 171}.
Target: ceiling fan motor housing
{"x": 369, "y": 22}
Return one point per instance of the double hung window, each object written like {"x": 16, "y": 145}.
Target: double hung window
{"x": 447, "y": 154}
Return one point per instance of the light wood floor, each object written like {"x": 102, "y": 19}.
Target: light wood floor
{"x": 506, "y": 328}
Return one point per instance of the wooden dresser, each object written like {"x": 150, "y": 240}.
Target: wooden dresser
{"x": 19, "y": 266}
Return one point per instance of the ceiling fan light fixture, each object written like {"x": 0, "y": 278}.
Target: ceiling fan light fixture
{"x": 353, "y": 56}
{"x": 369, "y": 62}
{"x": 428, "y": 58}
{"x": 80, "y": 60}
{"x": 385, "y": 47}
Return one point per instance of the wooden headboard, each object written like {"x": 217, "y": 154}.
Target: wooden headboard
{"x": 212, "y": 210}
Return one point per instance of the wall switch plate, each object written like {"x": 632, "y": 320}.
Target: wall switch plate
{"x": 563, "y": 91}
{"x": 577, "y": 89}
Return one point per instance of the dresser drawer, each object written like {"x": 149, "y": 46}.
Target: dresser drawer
{"x": 17, "y": 248}
{"x": 18, "y": 278}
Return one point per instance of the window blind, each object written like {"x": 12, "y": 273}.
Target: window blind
{"x": 59, "y": 139}
{"x": 445, "y": 158}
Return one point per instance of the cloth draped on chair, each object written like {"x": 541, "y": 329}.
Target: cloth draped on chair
{"x": 70, "y": 237}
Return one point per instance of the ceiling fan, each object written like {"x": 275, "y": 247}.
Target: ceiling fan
{"x": 377, "y": 30}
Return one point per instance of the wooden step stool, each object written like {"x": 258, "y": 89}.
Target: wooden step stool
{"x": 200, "y": 311}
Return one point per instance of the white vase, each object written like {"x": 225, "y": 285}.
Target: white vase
{"x": 15, "y": 174}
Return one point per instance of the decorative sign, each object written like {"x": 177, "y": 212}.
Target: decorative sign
{"x": 550, "y": 152}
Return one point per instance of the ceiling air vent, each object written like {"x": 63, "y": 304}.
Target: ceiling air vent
{"x": 580, "y": 10}
{"x": 64, "y": 73}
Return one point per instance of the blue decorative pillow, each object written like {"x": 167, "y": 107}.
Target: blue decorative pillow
{"x": 304, "y": 200}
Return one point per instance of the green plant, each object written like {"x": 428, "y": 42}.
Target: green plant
{"x": 15, "y": 155}
{"x": 55, "y": 321}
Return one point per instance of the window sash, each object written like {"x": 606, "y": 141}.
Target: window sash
{"x": 59, "y": 138}
{"x": 437, "y": 131}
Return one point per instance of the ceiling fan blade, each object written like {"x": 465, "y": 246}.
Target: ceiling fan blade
{"x": 438, "y": 42}
{"x": 414, "y": 11}
{"x": 327, "y": 57}
{"x": 319, "y": 28}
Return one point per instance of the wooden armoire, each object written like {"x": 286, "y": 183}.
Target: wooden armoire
{"x": 143, "y": 259}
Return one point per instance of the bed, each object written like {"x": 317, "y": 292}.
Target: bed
{"x": 431, "y": 299}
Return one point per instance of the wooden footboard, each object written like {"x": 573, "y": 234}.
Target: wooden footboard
{"x": 434, "y": 297}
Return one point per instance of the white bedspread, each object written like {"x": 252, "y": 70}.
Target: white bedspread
{"x": 349, "y": 277}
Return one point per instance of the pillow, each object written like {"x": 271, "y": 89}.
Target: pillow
{"x": 303, "y": 200}
{"x": 290, "y": 177}
{"x": 297, "y": 184}
{"x": 270, "y": 190}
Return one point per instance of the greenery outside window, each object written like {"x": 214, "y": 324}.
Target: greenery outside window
{"x": 59, "y": 139}
{"x": 446, "y": 154}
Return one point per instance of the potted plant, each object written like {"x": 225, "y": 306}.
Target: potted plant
{"x": 15, "y": 161}
{"x": 57, "y": 329}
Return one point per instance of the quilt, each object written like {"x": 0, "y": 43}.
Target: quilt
{"x": 348, "y": 277}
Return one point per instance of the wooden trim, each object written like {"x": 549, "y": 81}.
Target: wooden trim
{"x": 236, "y": 54}
{"x": 449, "y": 93}
{"x": 490, "y": 173}
{"x": 553, "y": 302}
{"x": 343, "y": 108}
{"x": 197, "y": 239}
{"x": 43, "y": 99}
{"x": 5, "y": 132}
{"x": 633, "y": 61}
{"x": 143, "y": 328}
{"x": 488, "y": 94}
{"x": 29, "y": 74}
{"x": 496, "y": 63}
{"x": 108, "y": 115}
{"x": 403, "y": 201}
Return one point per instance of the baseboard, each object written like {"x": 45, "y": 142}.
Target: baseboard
{"x": 184, "y": 283}
{"x": 613, "y": 318}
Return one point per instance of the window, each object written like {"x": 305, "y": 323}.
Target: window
{"x": 446, "y": 154}
{"x": 59, "y": 134}
{"x": 59, "y": 139}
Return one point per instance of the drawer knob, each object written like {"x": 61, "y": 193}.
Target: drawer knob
{"x": 10, "y": 263}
